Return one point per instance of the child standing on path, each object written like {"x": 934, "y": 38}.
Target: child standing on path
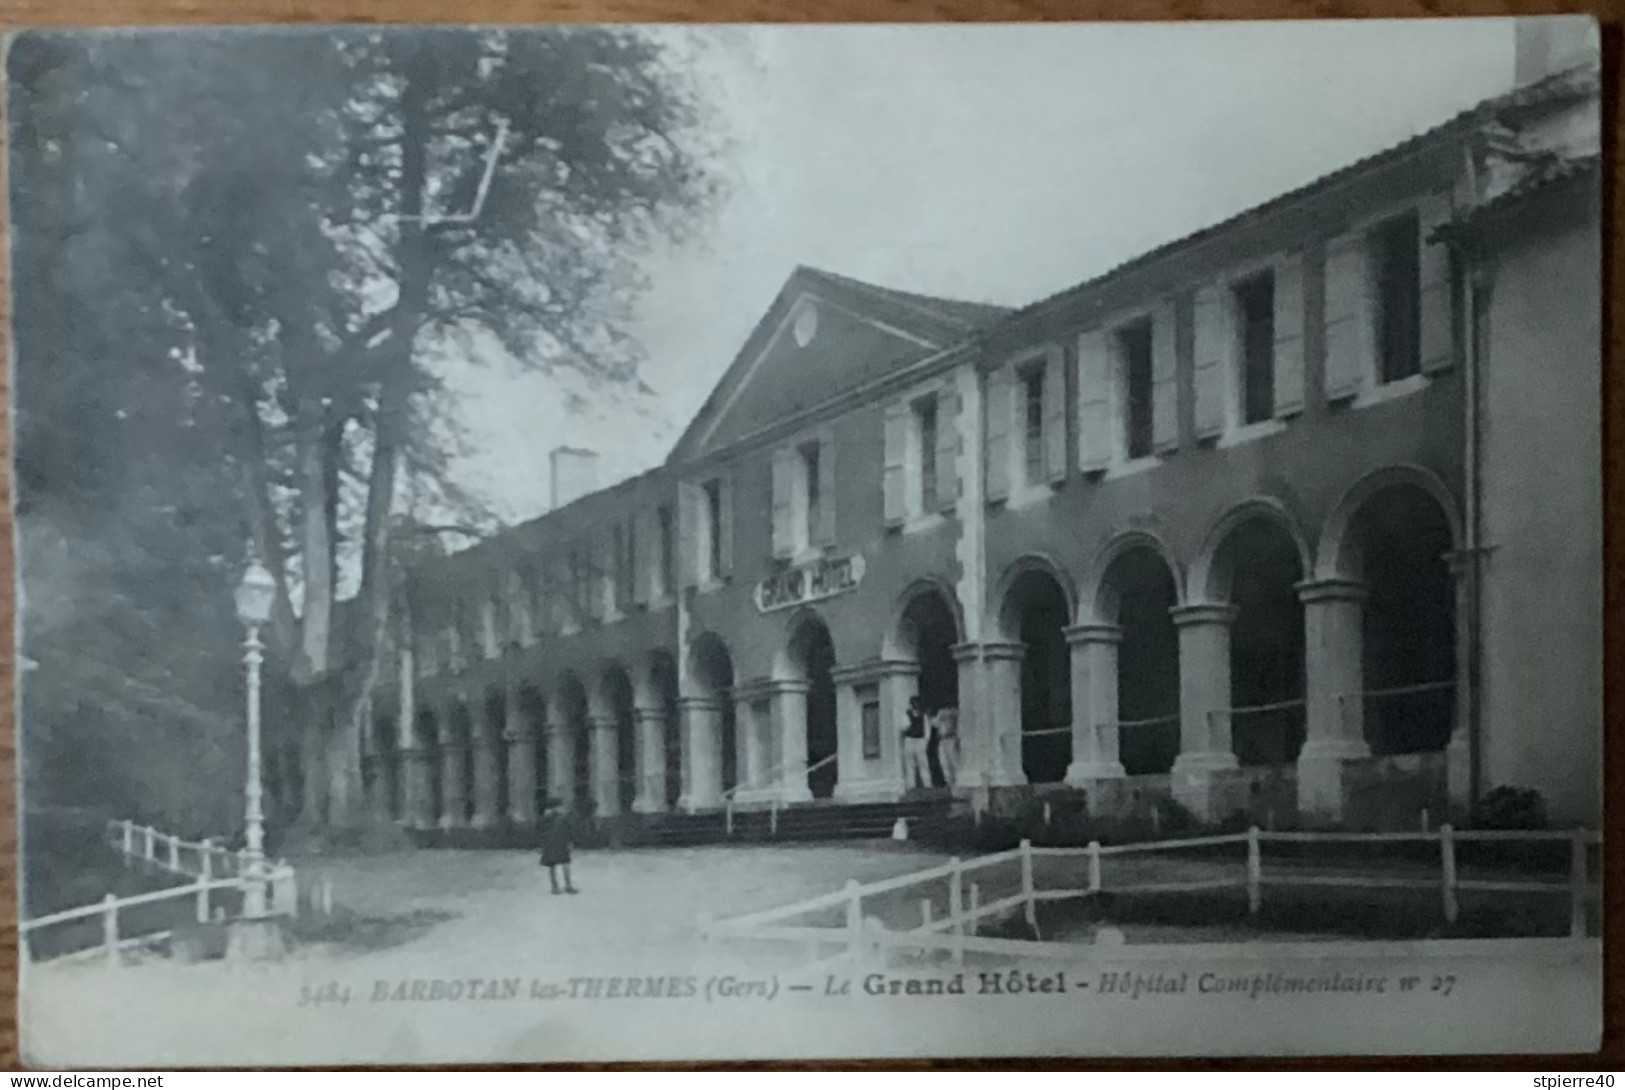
{"x": 556, "y": 844}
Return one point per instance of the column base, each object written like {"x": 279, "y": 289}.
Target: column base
{"x": 1320, "y": 775}
{"x": 258, "y": 939}
{"x": 794, "y": 792}
{"x": 448, "y": 824}
{"x": 647, "y": 806}
{"x": 869, "y": 790}
{"x": 1087, "y": 773}
{"x": 522, "y": 820}
{"x": 1194, "y": 777}
{"x": 484, "y": 821}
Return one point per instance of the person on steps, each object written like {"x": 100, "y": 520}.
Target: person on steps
{"x": 916, "y": 773}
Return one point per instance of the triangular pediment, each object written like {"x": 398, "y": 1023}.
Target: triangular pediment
{"x": 823, "y": 335}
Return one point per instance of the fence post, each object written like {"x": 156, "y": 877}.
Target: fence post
{"x": 175, "y": 853}
{"x": 854, "y": 918}
{"x": 925, "y": 914}
{"x": 129, "y": 840}
{"x": 110, "y": 929}
{"x": 152, "y": 845}
{"x": 956, "y": 908}
{"x": 975, "y": 916}
{"x": 728, "y": 817}
{"x": 203, "y": 877}
{"x": 1094, "y": 866}
{"x": 773, "y": 818}
{"x": 1255, "y": 872}
{"x": 1029, "y": 897}
{"x": 1577, "y": 884}
{"x": 1447, "y": 866}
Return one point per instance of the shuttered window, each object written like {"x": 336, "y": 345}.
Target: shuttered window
{"x": 925, "y": 429}
{"x": 1134, "y": 346}
{"x": 1255, "y": 317}
{"x": 1395, "y": 252}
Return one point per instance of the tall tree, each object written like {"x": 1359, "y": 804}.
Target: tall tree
{"x": 321, "y": 217}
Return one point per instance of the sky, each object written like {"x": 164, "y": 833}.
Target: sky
{"x": 996, "y": 163}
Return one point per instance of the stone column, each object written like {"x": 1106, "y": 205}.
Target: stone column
{"x": 1094, "y": 704}
{"x": 790, "y": 725}
{"x": 453, "y": 767}
{"x": 1334, "y": 679}
{"x": 1204, "y": 702}
{"x": 487, "y": 774}
{"x": 651, "y": 797}
{"x": 561, "y": 761}
{"x": 418, "y": 810}
{"x": 606, "y": 777}
{"x": 520, "y": 738}
{"x": 754, "y": 763}
{"x": 1001, "y": 664}
{"x": 701, "y": 718}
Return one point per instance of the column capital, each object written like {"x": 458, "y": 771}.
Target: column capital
{"x": 1335, "y": 589}
{"x": 1206, "y": 613}
{"x": 649, "y": 715}
{"x": 604, "y": 721}
{"x": 784, "y": 686}
{"x": 520, "y": 734}
{"x": 1093, "y": 633}
{"x": 699, "y": 704}
{"x": 989, "y": 650}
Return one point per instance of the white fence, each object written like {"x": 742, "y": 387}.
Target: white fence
{"x": 863, "y": 938}
{"x": 211, "y": 868}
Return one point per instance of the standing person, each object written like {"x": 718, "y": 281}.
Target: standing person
{"x": 933, "y": 747}
{"x": 915, "y": 771}
{"x": 947, "y": 725}
{"x": 556, "y": 844}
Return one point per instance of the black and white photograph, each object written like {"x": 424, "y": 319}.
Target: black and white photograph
{"x": 652, "y": 543}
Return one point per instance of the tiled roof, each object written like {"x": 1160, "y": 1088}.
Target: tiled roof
{"x": 1572, "y": 83}
{"x": 1548, "y": 174}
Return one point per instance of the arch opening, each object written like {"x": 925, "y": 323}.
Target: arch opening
{"x": 427, "y": 735}
{"x": 573, "y": 712}
{"x": 617, "y": 692}
{"x": 532, "y": 710}
{"x": 926, "y": 633}
{"x": 496, "y": 723}
{"x": 462, "y": 739}
{"x": 811, "y": 655}
{"x": 663, "y": 693}
{"x": 1138, "y": 594}
{"x": 1036, "y": 613}
{"x": 712, "y": 670}
{"x": 1260, "y": 566}
{"x": 1400, "y": 540}
{"x": 385, "y": 785}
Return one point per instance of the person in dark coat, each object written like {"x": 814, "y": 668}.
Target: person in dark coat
{"x": 557, "y": 841}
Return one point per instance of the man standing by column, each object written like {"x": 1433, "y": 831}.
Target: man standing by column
{"x": 915, "y": 771}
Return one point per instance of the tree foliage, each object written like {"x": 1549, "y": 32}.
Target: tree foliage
{"x": 243, "y": 260}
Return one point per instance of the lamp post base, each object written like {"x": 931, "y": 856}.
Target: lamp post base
{"x": 256, "y": 939}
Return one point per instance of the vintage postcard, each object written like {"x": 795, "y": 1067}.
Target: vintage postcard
{"x": 720, "y": 543}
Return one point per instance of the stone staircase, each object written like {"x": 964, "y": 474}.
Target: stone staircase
{"x": 811, "y": 821}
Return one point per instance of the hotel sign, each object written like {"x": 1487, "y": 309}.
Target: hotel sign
{"x": 822, "y": 578}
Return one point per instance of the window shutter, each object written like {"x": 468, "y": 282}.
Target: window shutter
{"x": 947, "y": 452}
{"x": 1055, "y": 417}
{"x": 1210, "y": 342}
{"x": 1094, "y": 401}
{"x": 893, "y": 475}
{"x": 1347, "y": 315}
{"x": 999, "y": 411}
{"x": 1437, "y": 299}
{"x": 824, "y": 532}
{"x": 784, "y": 483}
{"x": 726, "y": 520}
{"x": 1289, "y": 335}
{"x": 688, "y": 534}
{"x": 1164, "y": 381}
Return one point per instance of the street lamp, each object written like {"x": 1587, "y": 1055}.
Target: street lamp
{"x": 255, "y": 596}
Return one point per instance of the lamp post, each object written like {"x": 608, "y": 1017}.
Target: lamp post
{"x": 255, "y": 596}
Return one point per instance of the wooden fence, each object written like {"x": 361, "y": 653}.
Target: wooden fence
{"x": 210, "y": 867}
{"x": 866, "y": 938}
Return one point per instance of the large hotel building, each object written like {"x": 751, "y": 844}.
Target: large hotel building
{"x": 1299, "y": 514}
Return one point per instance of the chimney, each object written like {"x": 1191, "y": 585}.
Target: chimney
{"x": 575, "y": 473}
{"x": 1546, "y": 44}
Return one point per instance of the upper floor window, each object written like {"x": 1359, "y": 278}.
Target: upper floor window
{"x": 1032, "y": 421}
{"x": 1254, "y": 303}
{"x": 712, "y": 491}
{"x": 810, "y": 489}
{"x": 1396, "y": 281}
{"x": 618, "y": 569}
{"x": 664, "y": 531}
{"x": 925, "y": 450}
{"x": 1134, "y": 345}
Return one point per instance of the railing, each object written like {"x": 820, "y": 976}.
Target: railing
{"x": 1350, "y": 703}
{"x": 955, "y": 932}
{"x": 775, "y": 775}
{"x": 216, "y": 869}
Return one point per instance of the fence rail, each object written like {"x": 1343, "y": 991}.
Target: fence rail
{"x": 956, "y": 932}
{"x": 216, "y": 869}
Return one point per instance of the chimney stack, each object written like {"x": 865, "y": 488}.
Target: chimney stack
{"x": 575, "y": 473}
{"x": 1547, "y": 44}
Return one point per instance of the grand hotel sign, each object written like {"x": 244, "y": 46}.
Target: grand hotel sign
{"x": 810, "y": 582}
